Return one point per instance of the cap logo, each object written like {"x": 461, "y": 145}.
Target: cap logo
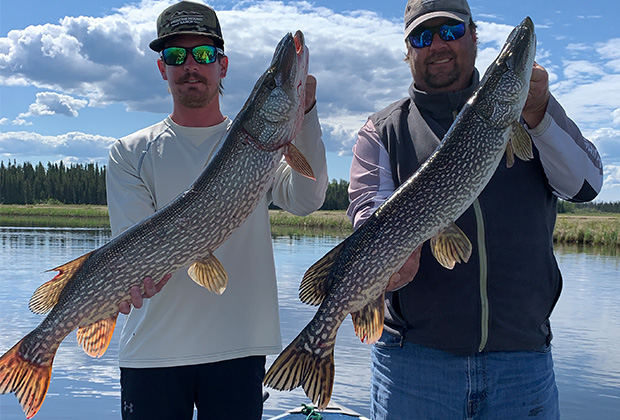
{"x": 184, "y": 18}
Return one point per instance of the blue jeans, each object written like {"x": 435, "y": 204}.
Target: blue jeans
{"x": 413, "y": 382}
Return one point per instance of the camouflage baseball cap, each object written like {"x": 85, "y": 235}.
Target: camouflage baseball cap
{"x": 419, "y": 11}
{"x": 187, "y": 18}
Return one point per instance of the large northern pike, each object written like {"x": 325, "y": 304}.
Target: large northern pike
{"x": 86, "y": 292}
{"x": 352, "y": 277}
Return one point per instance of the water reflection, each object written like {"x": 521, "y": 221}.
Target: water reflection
{"x": 586, "y": 324}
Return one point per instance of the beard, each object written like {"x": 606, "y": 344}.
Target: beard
{"x": 457, "y": 75}
{"x": 193, "y": 97}
{"x": 446, "y": 77}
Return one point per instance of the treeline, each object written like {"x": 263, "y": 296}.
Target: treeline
{"x": 603, "y": 207}
{"x": 58, "y": 183}
{"x": 85, "y": 184}
{"x": 336, "y": 196}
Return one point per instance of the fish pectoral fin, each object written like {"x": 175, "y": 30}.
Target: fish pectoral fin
{"x": 521, "y": 142}
{"x": 210, "y": 274}
{"x": 510, "y": 155}
{"x": 368, "y": 321}
{"x": 298, "y": 161}
{"x": 28, "y": 380}
{"x": 451, "y": 246}
{"x": 317, "y": 282}
{"x": 95, "y": 338}
{"x": 46, "y": 296}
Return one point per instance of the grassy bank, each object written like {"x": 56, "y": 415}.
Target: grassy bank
{"x": 588, "y": 229}
{"x": 54, "y": 215}
{"x": 591, "y": 229}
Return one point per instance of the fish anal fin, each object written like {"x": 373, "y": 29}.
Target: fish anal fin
{"x": 451, "y": 246}
{"x": 521, "y": 142}
{"x": 317, "y": 282}
{"x": 95, "y": 338}
{"x": 368, "y": 321}
{"x": 28, "y": 380}
{"x": 46, "y": 296}
{"x": 210, "y": 274}
{"x": 298, "y": 161}
{"x": 296, "y": 366}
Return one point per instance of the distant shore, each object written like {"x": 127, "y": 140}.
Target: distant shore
{"x": 589, "y": 229}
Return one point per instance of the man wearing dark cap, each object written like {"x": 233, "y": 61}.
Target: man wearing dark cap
{"x": 187, "y": 347}
{"x": 472, "y": 342}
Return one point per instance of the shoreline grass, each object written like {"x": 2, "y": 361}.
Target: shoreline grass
{"x": 584, "y": 229}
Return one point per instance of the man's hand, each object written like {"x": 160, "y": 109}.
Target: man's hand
{"x": 150, "y": 289}
{"x": 406, "y": 273}
{"x": 310, "y": 92}
{"x": 537, "y": 97}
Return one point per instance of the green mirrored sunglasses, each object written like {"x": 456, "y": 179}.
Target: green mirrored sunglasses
{"x": 203, "y": 54}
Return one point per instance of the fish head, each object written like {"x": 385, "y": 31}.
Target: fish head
{"x": 275, "y": 109}
{"x": 503, "y": 90}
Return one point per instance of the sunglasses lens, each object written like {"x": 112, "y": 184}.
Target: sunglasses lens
{"x": 421, "y": 40}
{"x": 446, "y": 32}
{"x": 204, "y": 54}
{"x": 174, "y": 56}
{"x": 452, "y": 32}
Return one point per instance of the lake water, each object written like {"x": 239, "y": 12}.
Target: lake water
{"x": 586, "y": 324}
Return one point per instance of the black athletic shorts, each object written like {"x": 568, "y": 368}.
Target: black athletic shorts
{"x": 231, "y": 389}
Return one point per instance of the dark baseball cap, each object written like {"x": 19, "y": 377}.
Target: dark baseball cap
{"x": 419, "y": 11}
{"x": 187, "y": 18}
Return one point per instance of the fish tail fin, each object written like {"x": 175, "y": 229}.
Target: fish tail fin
{"x": 299, "y": 366}
{"x": 28, "y": 380}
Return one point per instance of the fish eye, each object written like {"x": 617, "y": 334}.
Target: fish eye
{"x": 270, "y": 82}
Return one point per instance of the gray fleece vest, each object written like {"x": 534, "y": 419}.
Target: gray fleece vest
{"x": 503, "y": 297}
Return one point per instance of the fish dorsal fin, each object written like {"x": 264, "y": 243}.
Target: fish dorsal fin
{"x": 368, "y": 321}
{"x": 317, "y": 282}
{"x": 298, "y": 161}
{"x": 95, "y": 338}
{"x": 46, "y": 296}
{"x": 521, "y": 142}
{"x": 210, "y": 274}
{"x": 451, "y": 246}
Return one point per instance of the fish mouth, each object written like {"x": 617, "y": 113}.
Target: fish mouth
{"x": 520, "y": 47}
{"x": 290, "y": 56}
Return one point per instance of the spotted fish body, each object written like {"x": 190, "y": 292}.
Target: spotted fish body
{"x": 352, "y": 277}
{"x": 87, "y": 291}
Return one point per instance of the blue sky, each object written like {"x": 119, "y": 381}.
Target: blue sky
{"x": 75, "y": 75}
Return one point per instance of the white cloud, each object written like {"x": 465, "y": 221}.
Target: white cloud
{"x": 607, "y": 141}
{"x": 51, "y": 103}
{"x": 357, "y": 58}
{"x": 16, "y": 121}
{"x": 85, "y": 147}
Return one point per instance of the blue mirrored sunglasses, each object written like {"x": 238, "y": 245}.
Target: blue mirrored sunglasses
{"x": 424, "y": 38}
{"x": 203, "y": 54}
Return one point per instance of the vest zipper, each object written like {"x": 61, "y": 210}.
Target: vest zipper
{"x": 484, "y": 296}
